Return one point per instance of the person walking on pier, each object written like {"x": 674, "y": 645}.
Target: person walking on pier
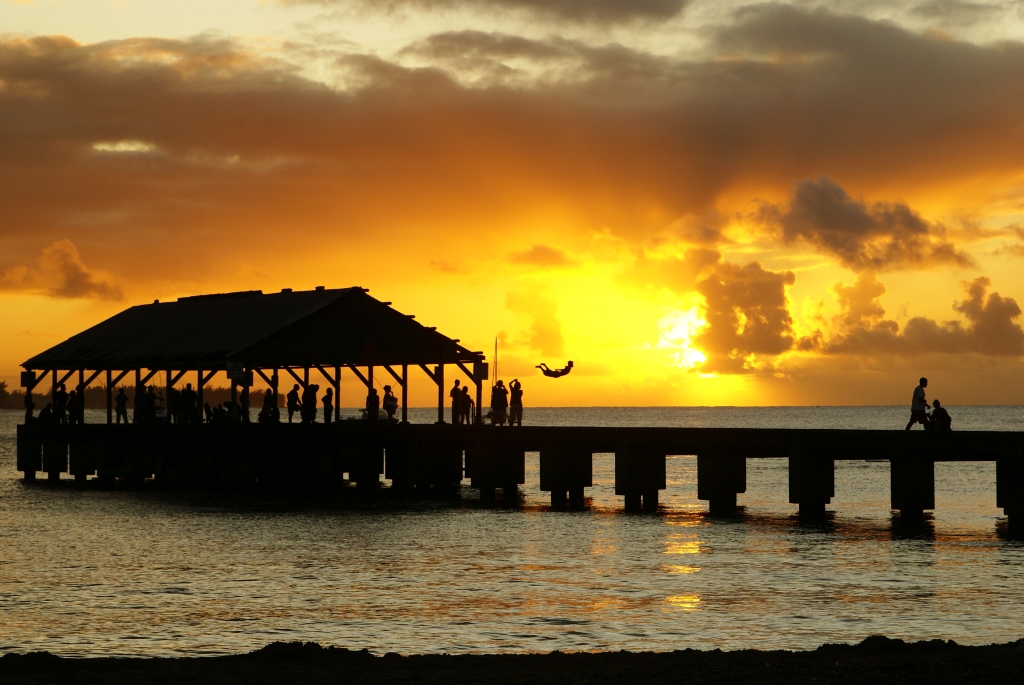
{"x": 372, "y": 405}
{"x": 293, "y": 402}
{"x": 515, "y": 403}
{"x": 121, "y": 406}
{"x": 328, "y": 405}
{"x": 390, "y": 403}
{"x": 919, "y": 406}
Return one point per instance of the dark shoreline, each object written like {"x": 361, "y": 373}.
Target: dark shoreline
{"x": 875, "y": 660}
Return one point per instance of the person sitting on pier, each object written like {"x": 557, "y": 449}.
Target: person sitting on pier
{"x": 554, "y": 373}
{"x": 60, "y": 408}
{"x": 390, "y": 403}
{"x": 499, "y": 403}
{"x": 940, "y": 420}
{"x": 515, "y": 403}
{"x": 293, "y": 402}
{"x": 328, "y": 405}
{"x": 46, "y": 415}
{"x": 121, "y": 406}
{"x": 372, "y": 405}
{"x": 918, "y": 406}
{"x": 466, "y": 405}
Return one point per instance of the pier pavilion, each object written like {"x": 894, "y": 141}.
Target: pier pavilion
{"x": 253, "y": 333}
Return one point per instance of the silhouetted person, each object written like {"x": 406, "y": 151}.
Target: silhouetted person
{"x": 328, "y": 405}
{"x": 554, "y": 373}
{"x": 220, "y": 414}
{"x": 390, "y": 403}
{"x": 208, "y": 412}
{"x": 466, "y": 406}
{"x": 499, "y": 403}
{"x": 309, "y": 403}
{"x": 293, "y": 403}
{"x": 72, "y": 408}
{"x": 46, "y": 415}
{"x": 919, "y": 406}
{"x": 454, "y": 393}
{"x": 515, "y": 403}
{"x": 121, "y": 406}
{"x": 150, "y": 405}
{"x": 372, "y": 405}
{"x": 266, "y": 414}
{"x": 189, "y": 405}
{"x": 940, "y": 420}
{"x": 243, "y": 400}
{"x": 60, "y": 403}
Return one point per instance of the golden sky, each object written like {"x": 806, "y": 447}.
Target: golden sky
{"x": 698, "y": 202}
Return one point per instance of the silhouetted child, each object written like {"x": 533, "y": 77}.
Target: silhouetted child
{"x": 391, "y": 403}
{"x": 372, "y": 405}
{"x": 466, "y": 406}
{"x": 328, "y": 405}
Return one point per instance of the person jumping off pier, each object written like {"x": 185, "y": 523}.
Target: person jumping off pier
{"x": 554, "y": 373}
{"x": 919, "y": 406}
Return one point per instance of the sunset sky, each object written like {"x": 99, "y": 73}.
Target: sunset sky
{"x": 699, "y": 202}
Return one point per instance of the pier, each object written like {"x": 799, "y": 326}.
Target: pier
{"x": 323, "y": 333}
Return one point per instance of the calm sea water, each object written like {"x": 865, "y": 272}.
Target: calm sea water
{"x": 91, "y": 572}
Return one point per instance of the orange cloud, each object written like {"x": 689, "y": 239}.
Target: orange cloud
{"x": 60, "y": 273}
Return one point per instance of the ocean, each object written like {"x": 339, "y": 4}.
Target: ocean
{"x": 90, "y": 572}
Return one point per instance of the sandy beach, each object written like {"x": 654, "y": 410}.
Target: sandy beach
{"x": 875, "y": 660}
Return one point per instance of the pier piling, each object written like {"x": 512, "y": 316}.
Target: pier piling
{"x": 720, "y": 477}
{"x": 30, "y": 453}
{"x": 492, "y": 465}
{"x": 1010, "y": 488}
{"x": 812, "y": 483}
{"x": 639, "y": 475}
{"x": 565, "y": 472}
{"x": 912, "y": 484}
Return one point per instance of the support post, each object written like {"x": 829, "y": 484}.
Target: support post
{"x": 275, "y": 381}
{"x": 1010, "y": 488}
{"x": 337, "y": 394}
{"x": 720, "y": 477}
{"x": 199, "y": 394}
{"x": 81, "y": 397}
{"x": 439, "y": 378}
{"x": 566, "y": 470}
{"x": 912, "y": 484}
{"x": 167, "y": 395}
{"x": 136, "y": 396}
{"x": 812, "y": 483}
{"x": 233, "y": 414}
{"x": 110, "y": 397}
{"x": 53, "y": 390}
{"x": 405, "y": 393}
{"x": 639, "y": 475}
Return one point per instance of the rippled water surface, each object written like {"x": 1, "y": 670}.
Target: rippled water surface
{"x": 91, "y": 572}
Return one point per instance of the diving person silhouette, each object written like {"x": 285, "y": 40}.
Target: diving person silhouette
{"x": 554, "y": 373}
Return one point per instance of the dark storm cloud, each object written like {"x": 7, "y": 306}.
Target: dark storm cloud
{"x": 990, "y": 328}
{"x": 623, "y": 139}
{"x": 59, "y": 273}
{"x": 585, "y": 11}
{"x": 863, "y": 236}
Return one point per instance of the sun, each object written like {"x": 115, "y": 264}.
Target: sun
{"x": 677, "y": 328}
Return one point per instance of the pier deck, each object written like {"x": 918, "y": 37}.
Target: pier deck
{"x": 439, "y": 456}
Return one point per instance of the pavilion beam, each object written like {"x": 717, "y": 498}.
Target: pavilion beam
{"x": 366, "y": 381}
{"x": 145, "y": 379}
{"x": 177, "y": 377}
{"x": 266, "y": 379}
{"x": 298, "y": 380}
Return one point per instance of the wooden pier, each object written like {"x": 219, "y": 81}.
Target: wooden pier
{"x": 437, "y": 457}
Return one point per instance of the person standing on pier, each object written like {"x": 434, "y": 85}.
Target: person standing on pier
{"x": 293, "y": 402}
{"x": 919, "y": 406}
{"x": 72, "y": 408}
{"x": 390, "y": 403}
{"x": 243, "y": 400}
{"x": 121, "y": 406}
{"x": 466, "y": 406}
{"x": 372, "y": 405}
{"x": 60, "y": 404}
{"x": 515, "y": 403}
{"x": 189, "y": 405}
{"x": 499, "y": 404}
{"x": 455, "y": 394}
{"x": 309, "y": 403}
{"x": 328, "y": 405}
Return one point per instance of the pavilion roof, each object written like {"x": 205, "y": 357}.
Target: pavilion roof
{"x": 327, "y": 327}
